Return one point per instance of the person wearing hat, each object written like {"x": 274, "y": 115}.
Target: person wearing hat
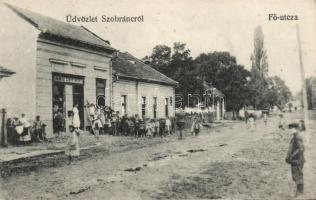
{"x": 295, "y": 157}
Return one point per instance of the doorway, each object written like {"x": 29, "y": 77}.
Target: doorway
{"x": 67, "y": 92}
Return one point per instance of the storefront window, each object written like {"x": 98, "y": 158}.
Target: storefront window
{"x": 143, "y": 106}
{"x": 100, "y": 92}
{"x": 166, "y": 107}
{"x": 155, "y": 106}
{"x": 124, "y": 104}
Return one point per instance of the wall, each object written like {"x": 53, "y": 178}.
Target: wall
{"x": 136, "y": 90}
{"x": 17, "y": 53}
{"x": 68, "y": 60}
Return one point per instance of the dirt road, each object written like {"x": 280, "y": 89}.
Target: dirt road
{"x": 221, "y": 163}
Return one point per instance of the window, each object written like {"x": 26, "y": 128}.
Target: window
{"x": 155, "y": 107}
{"x": 170, "y": 101}
{"x": 100, "y": 92}
{"x": 143, "y": 106}
{"x": 167, "y": 107}
{"x": 124, "y": 104}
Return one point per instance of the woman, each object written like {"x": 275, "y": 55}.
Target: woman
{"x": 75, "y": 117}
{"x": 73, "y": 148}
{"x": 25, "y": 137}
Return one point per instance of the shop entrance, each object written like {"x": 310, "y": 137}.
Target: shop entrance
{"x": 67, "y": 92}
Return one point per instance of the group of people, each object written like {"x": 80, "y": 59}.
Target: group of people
{"x": 106, "y": 121}
{"x": 20, "y": 131}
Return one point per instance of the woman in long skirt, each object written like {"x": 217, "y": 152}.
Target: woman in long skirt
{"x": 75, "y": 118}
{"x": 73, "y": 147}
{"x": 25, "y": 137}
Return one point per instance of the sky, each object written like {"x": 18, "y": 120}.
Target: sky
{"x": 204, "y": 25}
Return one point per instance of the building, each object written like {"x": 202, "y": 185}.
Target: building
{"x": 57, "y": 65}
{"x": 212, "y": 101}
{"x": 140, "y": 89}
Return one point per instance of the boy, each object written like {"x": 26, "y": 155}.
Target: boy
{"x": 38, "y": 129}
{"x": 265, "y": 119}
{"x": 195, "y": 129}
{"x": 295, "y": 157}
{"x": 281, "y": 122}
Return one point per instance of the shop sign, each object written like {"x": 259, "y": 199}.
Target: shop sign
{"x": 67, "y": 79}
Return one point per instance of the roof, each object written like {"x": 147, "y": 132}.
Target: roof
{"x": 48, "y": 25}
{"x": 208, "y": 86}
{"x": 5, "y": 72}
{"x": 128, "y": 66}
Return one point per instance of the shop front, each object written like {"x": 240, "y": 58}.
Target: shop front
{"x": 68, "y": 90}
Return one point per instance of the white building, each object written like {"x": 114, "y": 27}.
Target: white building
{"x": 140, "y": 89}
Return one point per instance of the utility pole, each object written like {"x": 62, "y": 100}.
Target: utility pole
{"x": 304, "y": 92}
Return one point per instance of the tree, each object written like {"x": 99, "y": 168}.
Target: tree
{"x": 259, "y": 71}
{"x": 210, "y": 65}
{"x": 278, "y": 94}
{"x": 232, "y": 81}
{"x": 160, "y": 58}
{"x": 259, "y": 56}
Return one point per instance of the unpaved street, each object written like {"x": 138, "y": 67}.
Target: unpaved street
{"x": 229, "y": 161}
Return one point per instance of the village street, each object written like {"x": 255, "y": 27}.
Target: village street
{"x": 225, "y": 162}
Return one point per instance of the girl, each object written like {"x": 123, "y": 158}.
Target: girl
{"x": 25, "y": 137}
{"x": 75, "y": 117}
{"x": 73, "y": 148}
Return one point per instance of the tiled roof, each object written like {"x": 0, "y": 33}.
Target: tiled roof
{"x": 128, "y": 66}
{"x": 5, "y": 72}
{"x": 59, "y": 28}
{"x": 209, "y": 87}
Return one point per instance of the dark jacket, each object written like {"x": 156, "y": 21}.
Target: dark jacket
{"x": 295, "y": 154}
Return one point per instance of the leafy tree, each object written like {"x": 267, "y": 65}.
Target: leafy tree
{"x": 259, "y": 71}
{"x": 259, "y": 57}
{"x": 160, "y": 58}
{"x": 232, "y": 81}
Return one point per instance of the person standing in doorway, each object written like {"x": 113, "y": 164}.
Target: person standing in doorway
{"x": 295, "y": 157}
{"x": 76, "y": 118}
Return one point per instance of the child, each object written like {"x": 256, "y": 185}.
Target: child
{"x": 38, "y": 129}
{"x": 295, "y": 157}
{"x": 168, "y": 126}
{"x": 72, "y": 149}
{"x": 196, "y": 125}
{"x": 142, "y": 129}
{"x": 281, "y": 122}
{"x": 162, "y": 126}
{"x": 251, "y": 120}
{"x": 148, "y": 125}
{"x": 265, "y": 118}
{"x": 156, "y": 127}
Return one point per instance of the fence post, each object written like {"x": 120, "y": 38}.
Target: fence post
{"x": 4, "y": 142}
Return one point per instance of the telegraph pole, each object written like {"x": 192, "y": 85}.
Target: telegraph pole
{"x": 304, "y": 92}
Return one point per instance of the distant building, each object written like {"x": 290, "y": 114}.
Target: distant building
{"x": 213, "y": 100}
{"x": 140, "y": 89}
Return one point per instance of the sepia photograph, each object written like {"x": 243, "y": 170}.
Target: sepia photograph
{"x": 164, "y": 99}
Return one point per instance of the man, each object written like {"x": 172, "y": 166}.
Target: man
{"x": 295, "y": 157}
